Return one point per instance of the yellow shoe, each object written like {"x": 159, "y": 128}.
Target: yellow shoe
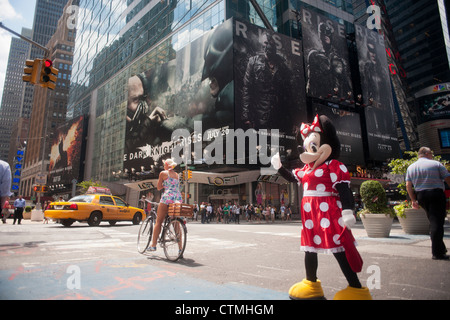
{"x": 351, "y": 293}
{"x": 306, "y": 290}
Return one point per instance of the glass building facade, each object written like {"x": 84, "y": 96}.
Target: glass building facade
{"x": 115, "y": 40}
{"x": 118, "y": 39}
{"x": 417, "y": 27}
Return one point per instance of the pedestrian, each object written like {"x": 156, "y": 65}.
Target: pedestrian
{"x": 218, "y": 211}
{"x": 427, "y": 177}
{"x": 237, "y": 213}
{"x": 19, "y": 205}
{"x": 258, "y": 211}
{"x": 209, "y": 212}
{"x": 288, "y": 212}
{"x": 282, "y": 212}
{"x": 5, "y": 184}
{"x": 250, "y": 212}
{"x": 46, "y": 207}
{"x": 5, "y": 209}
{"x": 226, "y": 213}
{"x": 203, "y": 212}
{"x": 195, "y": 210}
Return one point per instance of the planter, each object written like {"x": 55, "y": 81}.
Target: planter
{"x": 377, "y": 225}
{"x": 415, "y": 221}
{"x": 26, "y": 215}
{"x": 37, "y": 215}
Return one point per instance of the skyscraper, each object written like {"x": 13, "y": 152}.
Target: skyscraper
{"x": 46, "y": 17}
{"x": 13, "y": 93}
{"x": 422, "y": 41}
{"x": 49, "y": 106}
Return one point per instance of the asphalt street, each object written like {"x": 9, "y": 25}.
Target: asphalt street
{"x": 247, "y": 261}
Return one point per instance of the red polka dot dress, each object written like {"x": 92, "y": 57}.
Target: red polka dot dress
{"x": 321, "y": 207}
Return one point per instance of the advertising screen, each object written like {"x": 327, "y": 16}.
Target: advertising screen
{"x": 433, "y": 107}
{"x": 236, "y": 76}
{"x": 348, "y": 129}
{"x": 179, "y": 94}
{"x": 269, "y": 82}
{"x": 444, "y": 138}
{"x": 66, "y": 152}
{"x": 377, "y": 95}
{"x": 326, "y": 56}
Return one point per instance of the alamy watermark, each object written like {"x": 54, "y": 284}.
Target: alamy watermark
{"x": 374, "y": 20}
{"x": 226, "y": 146}
{"x": 72, "y": 11}
{"x": 74, "y": 280}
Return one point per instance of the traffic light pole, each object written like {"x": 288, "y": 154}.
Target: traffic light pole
{"x": 47, "y": 52}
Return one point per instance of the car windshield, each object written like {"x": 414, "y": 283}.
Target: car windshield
{"x": 82, "y": 198}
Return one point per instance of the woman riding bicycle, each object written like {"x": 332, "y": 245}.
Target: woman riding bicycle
{"x": 168, "y": 179}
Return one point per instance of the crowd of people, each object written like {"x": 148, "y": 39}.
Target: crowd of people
{"x": 228, "y": 212}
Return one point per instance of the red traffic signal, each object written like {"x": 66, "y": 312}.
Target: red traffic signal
{"x": 41, "y": 189}
{"x": 48, "y": 74}
{"x": 46, "y": 71}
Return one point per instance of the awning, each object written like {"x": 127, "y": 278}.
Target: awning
{"x": 215, "y": 178}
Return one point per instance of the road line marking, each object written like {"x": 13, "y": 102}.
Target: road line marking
{"x": 273, "y": 268}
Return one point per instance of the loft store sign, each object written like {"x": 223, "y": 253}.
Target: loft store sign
{"x": 221, "y": 181}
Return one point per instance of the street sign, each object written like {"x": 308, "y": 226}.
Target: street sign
{"x": 41, "y": 178}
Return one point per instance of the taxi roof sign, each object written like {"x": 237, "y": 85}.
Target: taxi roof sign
{"x": 102, "y": 190}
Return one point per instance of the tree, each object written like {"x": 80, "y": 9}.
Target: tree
{"x": 399, "y": 166}
{"x": 86, "y": 184}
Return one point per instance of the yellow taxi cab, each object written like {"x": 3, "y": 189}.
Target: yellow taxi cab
{"x": 95, "y": 206}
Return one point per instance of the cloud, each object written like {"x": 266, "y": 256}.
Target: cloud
{"x": 8, "y": 12}
{"x": 5, "y": 40}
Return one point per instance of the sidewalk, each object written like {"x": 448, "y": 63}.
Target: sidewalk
{"x": 398, "y": 242}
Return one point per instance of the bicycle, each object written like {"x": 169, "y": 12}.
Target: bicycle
{"x": 173, "y": 235}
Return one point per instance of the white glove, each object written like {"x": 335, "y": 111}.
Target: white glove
{"x": 276, "y": 161}
{"x": 348, "y": 218}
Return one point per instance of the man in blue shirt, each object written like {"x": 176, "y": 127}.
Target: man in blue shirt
{"x": 425, "y": 185}
{"x": 19, "y": 205}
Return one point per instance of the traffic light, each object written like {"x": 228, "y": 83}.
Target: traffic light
{"x": 40, "y": 189}
{"x": 189, "y": 174}
{"x": 48, "y": 74}
{"x": 31, "y": 71}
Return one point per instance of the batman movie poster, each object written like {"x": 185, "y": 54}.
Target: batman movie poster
{"x": 66, "y": 152}
{"x": 193, "y": 92}
{"x": 348, "y": 130}
{"x": 326, "y": 57}
{"x": 377, "y": 95}
{"x": 269, "y": 82}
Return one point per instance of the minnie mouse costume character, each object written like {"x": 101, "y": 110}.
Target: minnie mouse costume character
{"x": 326, "y": 211}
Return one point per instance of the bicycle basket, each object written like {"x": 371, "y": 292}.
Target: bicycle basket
{"x": 181, "y": 209}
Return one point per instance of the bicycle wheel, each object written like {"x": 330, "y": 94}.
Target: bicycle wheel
{"x": 174, "y": 239}
{"x": 145, "y": 235}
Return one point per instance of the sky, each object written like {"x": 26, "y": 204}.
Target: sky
{"x": 15, "y": 15}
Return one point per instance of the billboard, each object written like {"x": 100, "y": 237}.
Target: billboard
{"x": 434, "y": 107}
{"x": 269, "y": 83}
{"x": 66, "y": 151}
{"x": 326, "y": 56}
{"x": 348, "y": 130}
{"x": 201, "y": 92}
{"x": 377, "y": 95}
